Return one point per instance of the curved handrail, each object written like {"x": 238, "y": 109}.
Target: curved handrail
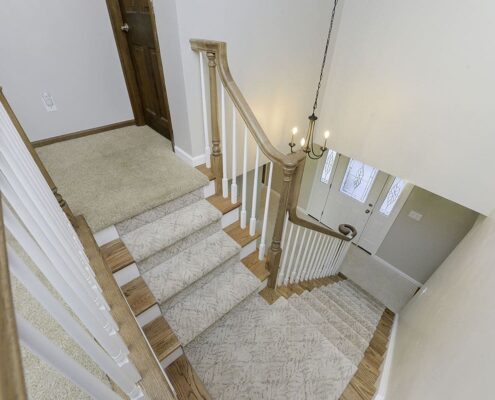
{"x": 220, "y": 50}
{"x": 293, "y": 162}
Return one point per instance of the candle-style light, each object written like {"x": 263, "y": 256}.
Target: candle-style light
{"x": 307, "y": 145}
{"x": 292, "y": 142}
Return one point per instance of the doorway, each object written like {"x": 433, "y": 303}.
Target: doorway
{"x": 346, "y": 190}
{"x": 134, "y": 28}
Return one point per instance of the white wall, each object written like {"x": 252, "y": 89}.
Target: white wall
{"x": 411, "y": 92}
{"x": 66, "y": 48}
{"x": 444, "y": 346}
{"x": 275, "y": 48}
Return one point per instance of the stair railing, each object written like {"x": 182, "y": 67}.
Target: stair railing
{"x": 314, "y": 250}
{"x": 49, "y": 260}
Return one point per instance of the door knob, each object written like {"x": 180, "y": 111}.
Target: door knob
{"x": 367, "y": 211}
{"x": 371, "y": 205}
{"x": 125, "y": 27}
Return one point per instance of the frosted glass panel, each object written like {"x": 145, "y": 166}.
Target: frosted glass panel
{"x": 392, "y": 196}
{"x": 358, "y": 180}
{"x": 327, "y": 169}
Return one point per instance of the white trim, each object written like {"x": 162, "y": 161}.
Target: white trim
{"x": 229, "y": 218}
{"x": 127, "y": 274}
{"x": 209, "y": 190}
{"x": 186, "y": 157}
{"x": 397, "y": 271}
{"x": 106, "y": 235}
{"x": 149, "y": 315}
{"x": 382, "y": 384}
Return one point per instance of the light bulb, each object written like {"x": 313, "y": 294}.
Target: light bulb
{"x": 303, "y": 142}
{"x": 326, "y": 134}
{"x": 294, "y": 130}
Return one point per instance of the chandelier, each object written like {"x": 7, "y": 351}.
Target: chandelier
{"x": 307, "y": 143}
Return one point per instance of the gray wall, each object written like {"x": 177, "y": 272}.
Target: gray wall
{"x": 417, "y": 248}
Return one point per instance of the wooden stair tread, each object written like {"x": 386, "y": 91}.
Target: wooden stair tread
{"x": 256, "y": 266}
{"x": 116, "y": 255}
{"x": 269, "y": 295}
{"x": 241, "y": 236}
{"x": 138, "y": 295}
{"x": 161, "y": 337}
{"x": 186, "y": 383}
{"x": 223, "y": 204}
{"x": 285, "y": 291}
{"x": 206, "y": 171}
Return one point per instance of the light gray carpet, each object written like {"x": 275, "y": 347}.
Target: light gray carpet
{"x": 115, "y": 175}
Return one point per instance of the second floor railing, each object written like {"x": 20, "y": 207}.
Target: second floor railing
{"x": 300, "y": 249}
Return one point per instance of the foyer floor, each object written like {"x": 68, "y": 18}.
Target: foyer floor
{"x": 393, "y": 290}
{"x": 112, "y": 176}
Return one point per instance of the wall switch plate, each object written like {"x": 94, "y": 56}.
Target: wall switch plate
{"x": 48, "y": 102}
{"x": 415, "y": 215}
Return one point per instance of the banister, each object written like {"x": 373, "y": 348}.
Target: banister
{"x": 346, "y": 232}
{"x": 220, "y": 50}
{"x": 12, "y": 385}
{"x": 292, "y": 164}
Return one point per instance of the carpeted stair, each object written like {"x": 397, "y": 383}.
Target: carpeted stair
{"x": 189, "y": 263}
{"x": 306, "y": 347}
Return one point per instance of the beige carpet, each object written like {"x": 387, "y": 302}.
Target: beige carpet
{"x": 112, "y": 176}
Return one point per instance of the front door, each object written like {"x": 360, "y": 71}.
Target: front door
{"x": 353, "y": 194}
{"x": 139, "y": 25}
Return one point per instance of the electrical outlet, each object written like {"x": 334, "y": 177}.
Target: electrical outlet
{"x": 415, "y": 215}
{"x": 48, "y": 102}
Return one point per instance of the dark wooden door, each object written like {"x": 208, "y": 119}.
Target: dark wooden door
{"x": 139, "y": 25}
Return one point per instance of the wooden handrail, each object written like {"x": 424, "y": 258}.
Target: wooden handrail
{"x": 12, "y": 385}
{"x": 34, "y": 154}
{"x": 292, "y": 164}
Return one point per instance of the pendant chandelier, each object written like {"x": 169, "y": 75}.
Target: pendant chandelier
{"x": 307, "y": 143}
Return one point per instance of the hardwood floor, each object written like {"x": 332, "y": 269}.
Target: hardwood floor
{"x": 363, "y": 383}
{"x": 223, "y": 204}
{"x": 240, "y": 235}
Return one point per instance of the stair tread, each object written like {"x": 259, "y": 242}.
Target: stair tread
{"x": 240, "y": 235}
{"x": 224, "y": 205}
{"x": 347, "y": 331}
{"x": 347, "y": 307}
{"x": 361, "y": 298}
{"x": 162, "y": 233}
{"x": 206, "y": 171}
{"x": 175, "y": 274}
{"x": 312, "y": 316}
{"x": 161, "y": 337}
{"x": 138, "y": 295}
{"x": 360, "y": 291}
{"x": 185, "y": 381}
{"x": 365, "y": 309}
{"x": 257, "y": 266}
{"x": 116, "y": 255}
{"x": 203, "y": 307}
{"x": 362, "y": 330}
{"x": 158, "y": 212}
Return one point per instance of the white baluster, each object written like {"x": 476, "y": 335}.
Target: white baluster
{"x": 252, "y": 221}
{"x": 244, "y": 182}
{"x": 205, "y": 114}
{"x": 225, "y": 179}
{"x": 326, "y": 256}
{"x": 340, "y": 259}
{"x": 91, "y": 316}
{"x": 316, "y": 252}
{"x": 233, "y": 186}
{"x": 303, "y": 272}
{"x": 285, "y": 252}
{"x": 262, "y": 248}
{"x": 297, "y": 261}
{"x": 53, "y": 355}
{"x": 125, "y": 376}
{"x": 290, "y": 264}
{"x": 323, "y": 260}
{"x": 330, "y": 258}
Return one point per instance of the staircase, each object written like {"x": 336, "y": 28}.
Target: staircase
{"x": 181, "y": 271}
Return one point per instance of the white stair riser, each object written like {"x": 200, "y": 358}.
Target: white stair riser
{"x": 230, "y": 218}
{"x": 127, "y": 274}
{"x": 209, "y": 190}
{"x": 248, "y": 249}
{"x": 106, "y": 235}
{"x": 149, "y": 315}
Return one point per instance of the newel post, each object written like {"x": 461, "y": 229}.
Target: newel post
{"x": 216, "y": 150}
{"x": 275, "y": 251}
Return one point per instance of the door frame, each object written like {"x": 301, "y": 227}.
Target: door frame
{"x": 128, "y": 69}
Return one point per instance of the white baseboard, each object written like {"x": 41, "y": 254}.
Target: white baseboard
{"x": 190, "y": 160}
{"x": 398, "y": 271}
{"x": 382, "y": 385}
{"x": 106, "y": 235}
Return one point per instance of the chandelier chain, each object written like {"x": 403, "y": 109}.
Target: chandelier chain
{"x": 315, "y": 105}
